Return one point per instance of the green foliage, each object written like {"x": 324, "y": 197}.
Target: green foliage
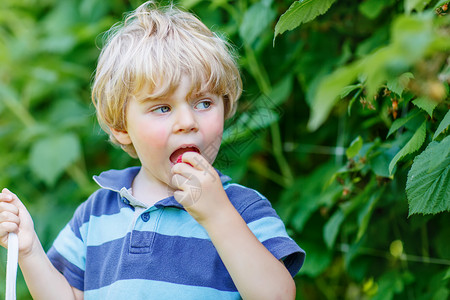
{"x": 46, "y": 160}
{"x": 299, "y": 12}
{"x": 428, "y": 185}
{"x": 343, "y": 125}
{"x": 354, "y": 147}
{"x": 443, "y": 125}
{"x": 413, "y": 145}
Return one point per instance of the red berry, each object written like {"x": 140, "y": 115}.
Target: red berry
{"x": 180, "y": 160}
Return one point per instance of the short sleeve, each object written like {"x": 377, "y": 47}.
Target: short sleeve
{"x": 68, "y": 252}
{"x": 270, "y": 230}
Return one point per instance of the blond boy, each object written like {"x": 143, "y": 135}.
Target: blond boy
{"x": 175, "y": 227}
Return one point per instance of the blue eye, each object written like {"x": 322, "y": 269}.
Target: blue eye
{"x": 162, "y": 109}
{"x": 203, "y": 105}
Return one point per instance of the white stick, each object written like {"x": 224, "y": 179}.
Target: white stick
{"x": 11, "y": 266}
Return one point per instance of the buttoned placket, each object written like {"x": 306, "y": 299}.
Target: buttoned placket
{"x": 145, "y": 223}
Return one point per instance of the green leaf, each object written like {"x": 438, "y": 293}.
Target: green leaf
{"x": 418, "y": 5}
{"x": 443, "y": 125}
{"x": 388, "y": 284}
{"x": 411, "y": 36}
{"x": 281, "y": 91}
{"x": 372, "y": 8}
{"x": 262, "y": 118}
{"x": 403, "y": 121}
{"x": 327, "y": 93}
{"x": 366, "y": 213}
{"x": 348, "y": 89}
{"x": 414, "y": 144}
{"x": 398, "y": 84}
{"x": 300, "y": 12}
{"x": 354, "y": 147}
{"x": 50, "y": 157}
{"x": 380, "y": 163}
{"x": 428, "y": 189}
{"x": 441, "y": 293}
{"x": 440, "y": 3}
{"x": 447, "y": 275}
{"x": 331, "y": 228}
{"x": 256, "y": 19}
{"x": 319, "y": 258}
{"x": 426, "y": 104}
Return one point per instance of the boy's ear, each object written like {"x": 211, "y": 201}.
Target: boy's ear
{"x": 121, "y": 136}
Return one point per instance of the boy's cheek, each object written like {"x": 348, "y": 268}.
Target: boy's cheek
{"x": 156, "y": 137}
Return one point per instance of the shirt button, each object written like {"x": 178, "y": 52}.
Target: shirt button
{"x": 145, "y": 217}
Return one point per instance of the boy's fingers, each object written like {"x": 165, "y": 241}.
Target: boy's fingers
{"x": 6, "y": 191}
{"x": 7, "y": 227}
{"x": 178, "y": 181}
{"x": 181, "y": 168}
{"x": 196, "y": 160}
{"x": 11, "y": 197}
{"x": 6, "y": 216}
{"x": 5, "y": 196}
{"x": 5, "y": 206}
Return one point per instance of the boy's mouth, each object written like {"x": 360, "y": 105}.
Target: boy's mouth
{"x": 180, "y": 151}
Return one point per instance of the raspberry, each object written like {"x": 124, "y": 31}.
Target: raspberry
{"x": 180, "y": 160}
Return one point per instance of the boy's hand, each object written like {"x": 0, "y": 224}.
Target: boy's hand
{"x": 198, "y": 187}
{"x": 14, "y": 217}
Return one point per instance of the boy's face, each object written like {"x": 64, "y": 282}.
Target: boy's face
{"x": 162, "y": 129}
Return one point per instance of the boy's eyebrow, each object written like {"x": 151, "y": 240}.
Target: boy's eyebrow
{"x": 149, "y": 98}
{"x": 191, "y": 96}
{"x": 199, "y": 94}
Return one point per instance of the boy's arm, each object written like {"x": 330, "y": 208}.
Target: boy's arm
{"x": 42, "y": 278}
{"x": 256, "y": 273}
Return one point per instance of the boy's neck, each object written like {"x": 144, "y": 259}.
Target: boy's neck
{"x": 149, "y": 191}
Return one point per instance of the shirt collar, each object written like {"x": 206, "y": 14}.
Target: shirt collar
{"x": 120, "y": 181}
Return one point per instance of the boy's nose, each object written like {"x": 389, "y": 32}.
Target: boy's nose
{"x": 185, "y": 120}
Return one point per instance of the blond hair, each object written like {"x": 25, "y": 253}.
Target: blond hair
{"x": 154, "y": 47}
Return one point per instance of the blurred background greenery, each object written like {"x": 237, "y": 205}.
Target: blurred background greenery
{"x": 343, "y": 125}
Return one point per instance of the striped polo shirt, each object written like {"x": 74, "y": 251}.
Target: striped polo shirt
{"x": 116, "y": 248}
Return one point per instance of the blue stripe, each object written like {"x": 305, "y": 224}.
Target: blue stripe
{"x": 103, "y": 202}
{"x": 112, "y": 227}
{"x": 180, "y": 260}
{"x": 186, "y": 261}
{"x": 115, "y": 180}
{"x": 144, "y": 289}
{"x": 107, "y": 227}
{"x": 100, "y": 203}
{"x": 241, "y": 197}
{"x": 267, "y": 228}
{"x": 73, "y": 274}
{"x": 284, "y": 248}
{"x": 176, "y": 222}
{"x": 236, "y": 185}
{"x": 70, "y": 247}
